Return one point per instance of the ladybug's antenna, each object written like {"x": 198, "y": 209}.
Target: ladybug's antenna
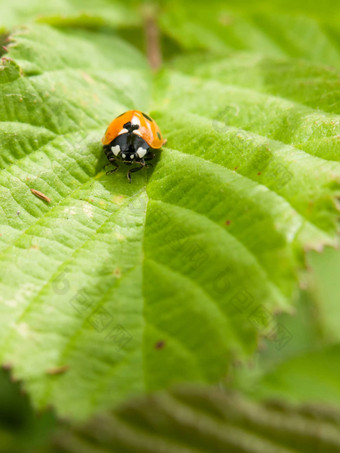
{"x": 131, "y": 127}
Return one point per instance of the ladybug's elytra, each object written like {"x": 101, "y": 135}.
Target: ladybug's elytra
{"x": 131, "y": 138}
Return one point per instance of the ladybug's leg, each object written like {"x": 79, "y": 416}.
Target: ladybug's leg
{"x": 113, "y": 162}
{"x": 149, "y": 156}
{"x": 133, "y": 170}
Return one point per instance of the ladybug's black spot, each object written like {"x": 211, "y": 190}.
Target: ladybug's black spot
{"x": 131, "y": 127}
{"x": 159, "y": 136}
{"x": 147, "y": 117}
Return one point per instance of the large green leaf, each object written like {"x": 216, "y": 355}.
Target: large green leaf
{"x": 115, "y": 289}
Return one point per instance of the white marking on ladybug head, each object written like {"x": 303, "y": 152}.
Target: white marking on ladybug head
{"x": 141, "y": 152}
{"x": 123, "y": 131}
{"x": 115, "y": 150}
{"x": 132, "y": 156}
{"x": 123, "y": 156}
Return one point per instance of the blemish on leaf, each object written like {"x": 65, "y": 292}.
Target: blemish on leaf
{"x": 228, "y": 222}
{"x": 119, "y": 236}
{"x": 23, "y": 330}
{"x": 88, "y": 210}
{"x": 7, "y": 366}
{"x": 225, "y": 19}
{"x": 11, "y": 303}
{"x": 70, "y": 211}
{"x": 58, "y": 370}
{"x": 160, "y": 344}
{"x": 3, "y": 41}
{"x": 87, "y": 77}
{"x": 117, "y": 272}
{"x": 118, "y": 199}
{"x": 41, "y": 195}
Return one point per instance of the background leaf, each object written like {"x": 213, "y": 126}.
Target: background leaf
{"x": 306, "y": 370}
{"x": 199, "y": 420}
{"x": 70, "y": 12}
{"x": 284, "y": 29}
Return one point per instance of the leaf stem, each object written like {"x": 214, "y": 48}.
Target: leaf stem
{"x": 152, "y": 37}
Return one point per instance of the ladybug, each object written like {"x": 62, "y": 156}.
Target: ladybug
{"x": 131, "y": 138}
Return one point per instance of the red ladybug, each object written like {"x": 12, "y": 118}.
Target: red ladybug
{"x": 131, "y": 138}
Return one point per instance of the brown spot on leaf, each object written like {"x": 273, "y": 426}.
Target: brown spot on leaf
{"x": 3, "y": 41}
{"x": 225, "y": 19}
{"x": 6, "y": 366}
{"x": 117, "y": 272}
{"x": 58, "y": 370}
{"x": 160, "y": 344}
{"x": 87, "y": 77}
{"x": 41, "y": 195}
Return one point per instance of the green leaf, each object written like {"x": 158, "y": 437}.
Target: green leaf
{"x": 307, "y": 30}
{"x": 307, "y": 369}
{"x": 312, "y": 376}
{"x": 69, "y": 12}
{"x": 197, "y": 420}
{"x": 325, "y": 273}
{"x": 20, "y": 428}
{"x": 115, "y": 289}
